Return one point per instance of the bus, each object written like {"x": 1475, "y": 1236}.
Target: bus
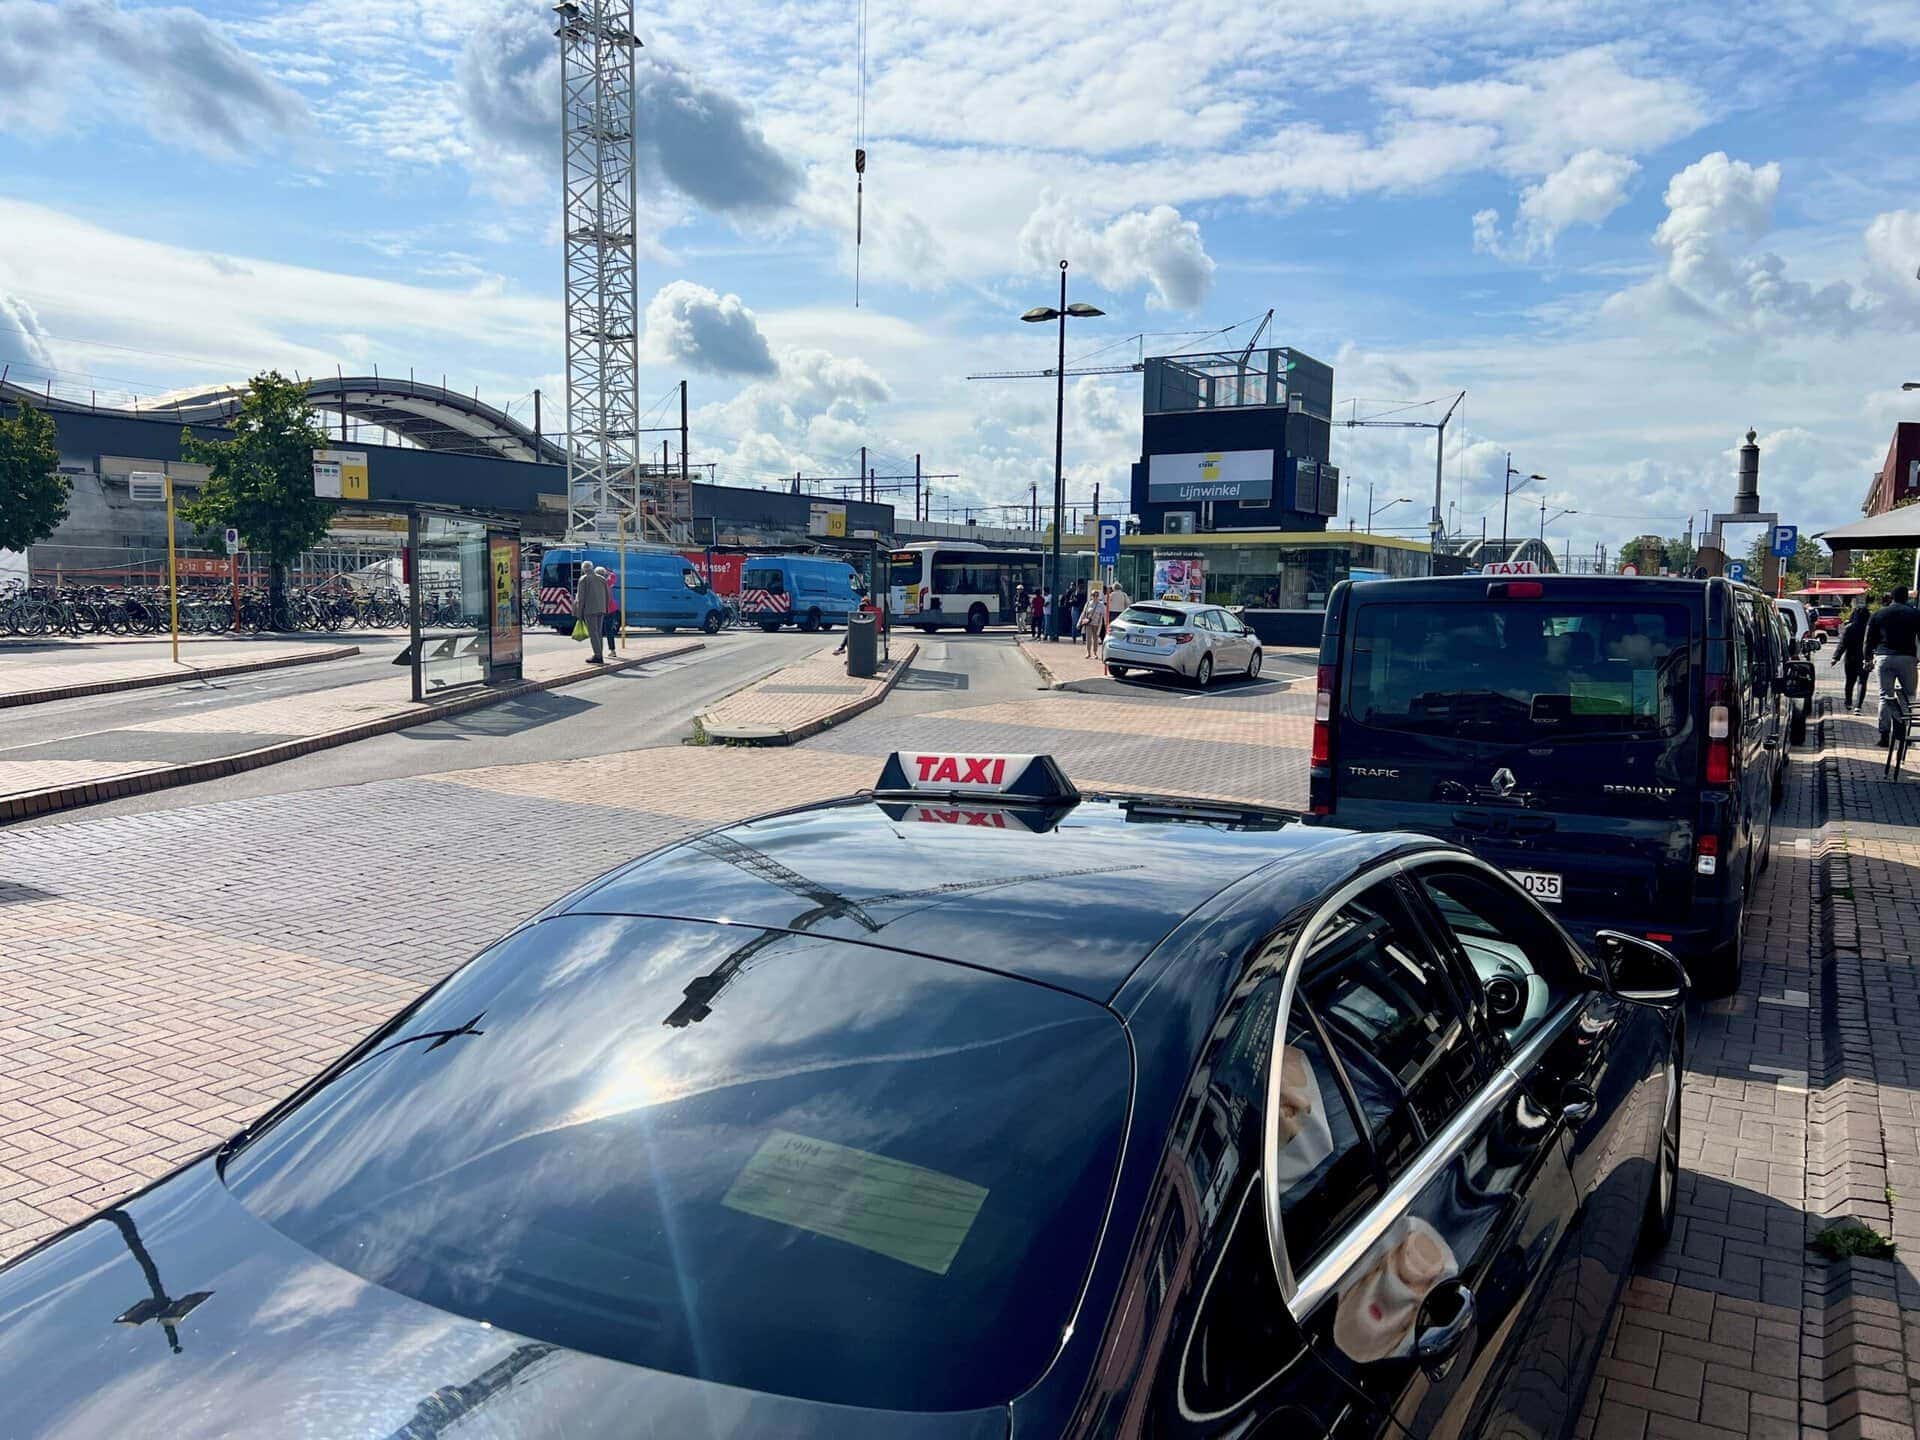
{"x": 939, "y": 584}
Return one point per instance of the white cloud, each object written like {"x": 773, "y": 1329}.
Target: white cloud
{"x": 1893, "y": 258}
{"x": 1153, "y": 247}
{"x": 22, "y": 337}
{"x": 1584, "y": 191}
{"x": 689, "y": 134}
{"x": 689, "y": 324}
{"x": 170, "y": 69}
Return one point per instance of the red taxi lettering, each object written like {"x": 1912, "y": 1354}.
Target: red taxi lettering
{"x": 981, "y": 770}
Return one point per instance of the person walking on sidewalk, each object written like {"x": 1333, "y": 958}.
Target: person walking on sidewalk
{"x": 610, "y": 626}
{"x": 1117, "y": 602}
{"x": 1093, "y": 620}
{"x": 1893, "y": 640}
{"x": 590, "y": 608}
{"x": 1851, "y": 649}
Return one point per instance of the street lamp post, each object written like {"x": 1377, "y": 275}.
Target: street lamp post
{"x": 1371, "y": 511}
{"x": 1038, "y": 315}
{"x": 1506, "y": 496}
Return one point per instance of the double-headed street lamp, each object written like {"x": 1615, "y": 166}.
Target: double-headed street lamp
{"x": 1035, "y": 316}
{"x": 1508, "y": 495}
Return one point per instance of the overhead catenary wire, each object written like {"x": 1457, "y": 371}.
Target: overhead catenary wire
{"x": 859, "y": 140}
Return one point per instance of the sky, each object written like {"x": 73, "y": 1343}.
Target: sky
{"x": 1628, "y": 231}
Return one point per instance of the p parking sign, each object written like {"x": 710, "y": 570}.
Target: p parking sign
{"x": 1109, "y": 542}
{"x": 1786, "y": 541}
{"x": 1737, "y": 571}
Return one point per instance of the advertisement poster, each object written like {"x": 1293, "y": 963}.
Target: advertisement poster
{"x": 724, "y": 578}
{"x": 1179, "y": 577}
{"x": 503, "y": 553}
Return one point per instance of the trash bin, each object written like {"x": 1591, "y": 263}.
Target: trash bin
{"x": 863, "y": 646}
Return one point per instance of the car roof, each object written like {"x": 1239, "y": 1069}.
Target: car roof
{"x": 1077, "y": 904}
{"x": 1186, "y": 605}
{"x": 1605, "y": 587}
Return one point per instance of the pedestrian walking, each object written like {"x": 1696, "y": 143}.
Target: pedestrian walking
{"x": 590, "y": 608}
{"x": 1093, "y": 621}
{"x": 1893, "y": 640}
{"x": 1850, "y": 649}
{"x": 610, "y": 626}
{"x": 1117, "y": 602}
{"x": 1038, "y": 610}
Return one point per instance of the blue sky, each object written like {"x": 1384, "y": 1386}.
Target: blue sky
{"x": 1628, "y": 231}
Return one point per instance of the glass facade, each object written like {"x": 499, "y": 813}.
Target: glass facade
{"x": 1291, "y": 576}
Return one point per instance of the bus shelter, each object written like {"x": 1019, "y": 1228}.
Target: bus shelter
{"x": 463, "y": 601}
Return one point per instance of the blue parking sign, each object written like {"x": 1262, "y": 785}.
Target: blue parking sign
{"x": 1109, "y": 542}
{"x": 1786, "y": 541}
{"x": 1737, "y": 571}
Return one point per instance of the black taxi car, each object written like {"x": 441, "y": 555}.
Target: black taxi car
{"x": 966, "y": 1107}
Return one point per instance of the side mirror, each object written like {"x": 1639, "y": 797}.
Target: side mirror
{"x": 1798, "y": 684}
{"x": 1640, "y": 970}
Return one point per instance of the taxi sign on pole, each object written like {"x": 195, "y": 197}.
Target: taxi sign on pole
{"x": 939, "y": 772}
{"x": 1510, "y": 567}
{"x": 1109, "y": 542}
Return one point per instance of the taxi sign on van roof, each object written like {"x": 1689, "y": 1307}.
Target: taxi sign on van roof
{"x": 1033, "y": 778}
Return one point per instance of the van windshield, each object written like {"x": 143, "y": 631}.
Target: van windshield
{"x": 1520, "y": 672}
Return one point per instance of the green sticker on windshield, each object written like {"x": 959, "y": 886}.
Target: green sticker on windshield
{"x": 902, "y": 1211}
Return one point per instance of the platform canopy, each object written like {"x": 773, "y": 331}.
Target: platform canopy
{"x": 1890, "y": 530}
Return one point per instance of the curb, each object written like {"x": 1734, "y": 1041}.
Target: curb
{"x": 815, "y": 726}
{"x": 148, "y": 682}
{"x": 141, "y": 782}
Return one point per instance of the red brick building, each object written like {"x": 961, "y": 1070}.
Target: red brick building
{"x": 1899, "y": 477}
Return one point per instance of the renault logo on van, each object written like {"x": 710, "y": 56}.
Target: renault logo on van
{"x": 1503, "y": 782}
{"x": 1649, "y": 792}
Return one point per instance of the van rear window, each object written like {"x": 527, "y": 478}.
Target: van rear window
{"x": 1517, "y": 672}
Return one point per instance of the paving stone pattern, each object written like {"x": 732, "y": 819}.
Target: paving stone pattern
{"x": 164, "y": 976}
{"x": 56, "y": 664}
{"x": 799, "y": 696}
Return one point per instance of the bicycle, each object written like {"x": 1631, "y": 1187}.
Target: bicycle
{"x": 1899, "y": 736}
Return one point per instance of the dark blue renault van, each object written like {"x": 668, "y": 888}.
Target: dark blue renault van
{"x": 1617, "y": 744}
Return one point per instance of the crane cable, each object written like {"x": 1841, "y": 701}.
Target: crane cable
{"x": 859, "y": 139}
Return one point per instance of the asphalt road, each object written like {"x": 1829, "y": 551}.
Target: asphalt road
{"x": 625, "y": 710}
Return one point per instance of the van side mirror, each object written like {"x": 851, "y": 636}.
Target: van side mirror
{"x": 1798, "y": 684}
{"x": 1639, "y": 969}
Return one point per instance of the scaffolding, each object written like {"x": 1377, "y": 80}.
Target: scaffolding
{"x": 608, "y": 488}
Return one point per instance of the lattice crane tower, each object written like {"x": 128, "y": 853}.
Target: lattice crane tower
{"x": 605, "y": 478}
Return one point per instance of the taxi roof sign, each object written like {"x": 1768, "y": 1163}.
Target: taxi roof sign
{"x": 1034, "y": 778}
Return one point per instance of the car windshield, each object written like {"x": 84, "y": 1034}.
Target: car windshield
{"x": 1152, "y": 615}
{"x": 771, "y": 1160}
{"x": 1520, "y": 672}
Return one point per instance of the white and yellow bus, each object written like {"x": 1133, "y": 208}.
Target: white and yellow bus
{"x": 940, "y": 584}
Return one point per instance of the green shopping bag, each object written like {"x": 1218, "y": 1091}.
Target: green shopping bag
{"x": 579, "y": 629}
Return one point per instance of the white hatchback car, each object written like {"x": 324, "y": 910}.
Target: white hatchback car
{"x": 1179, "y": 638}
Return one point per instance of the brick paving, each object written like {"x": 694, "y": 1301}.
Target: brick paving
{"x": 58, "y": 666}
{"x": 154, "y": 1003}
{"x": 801, "y": 698}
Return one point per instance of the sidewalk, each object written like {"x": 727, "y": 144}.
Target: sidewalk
{"x": 265, "y": 732}
{"x": 32, "y": 672}
{"x": 803, "y": 699}
{"x": 1799, "y": 1112}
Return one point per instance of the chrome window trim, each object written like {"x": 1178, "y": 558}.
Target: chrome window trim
{"x": 1305, "y": 1292}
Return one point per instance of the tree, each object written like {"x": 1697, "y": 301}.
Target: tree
{"x": 262, "y": 480}
{"x": 1648, "y": 553}
{"x": 1808, "y": 560}
{"x": 33, "y": 492}
{"x": 1884, "y": 569}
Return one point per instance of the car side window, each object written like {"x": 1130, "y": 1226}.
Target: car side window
{"x": 1520, "y": 964}
{"x": 1323, "y": 1168}
{"x": 1204, "y": 619}
{"x": 1394, "y": 1022}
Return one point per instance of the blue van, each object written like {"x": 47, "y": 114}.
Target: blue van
{"x": 1616, "y": 744}
{"x": 808, "y": 591}
{"x": 661, "y": 589}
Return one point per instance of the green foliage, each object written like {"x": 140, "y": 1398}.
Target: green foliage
{"x": 1850, "y": 1237}
{"x": 1808, "y": 560}
{"x": 33, "y": 492}
{"x": 1648, "y": 553}
{"x": 262, "y": 480}
{"x": 1884, "y": 569}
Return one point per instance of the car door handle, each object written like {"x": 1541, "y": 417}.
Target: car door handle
{"x": 1446, "y": 1319}
{"x": 1577, "y": 1102}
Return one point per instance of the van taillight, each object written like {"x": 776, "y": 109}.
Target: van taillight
{"x": 1323, "y": 718}
{"x": 1719, "y": 731}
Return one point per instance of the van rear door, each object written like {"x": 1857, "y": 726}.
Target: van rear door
{"x": 1555, "y": 736}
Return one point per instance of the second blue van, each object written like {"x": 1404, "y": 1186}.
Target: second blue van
{"x": 806, "y": 591}
{"x": 660, "y": 590}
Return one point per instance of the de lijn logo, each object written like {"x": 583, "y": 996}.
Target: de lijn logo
{"x": 1210, "y": 486}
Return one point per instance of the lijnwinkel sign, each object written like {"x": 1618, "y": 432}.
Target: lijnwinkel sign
{"x": 1210, "y": 475}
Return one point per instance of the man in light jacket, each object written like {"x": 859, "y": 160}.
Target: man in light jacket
{"x": 590, "y": 608}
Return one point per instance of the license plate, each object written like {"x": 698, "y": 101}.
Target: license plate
{"x": 1538, "y": 883}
